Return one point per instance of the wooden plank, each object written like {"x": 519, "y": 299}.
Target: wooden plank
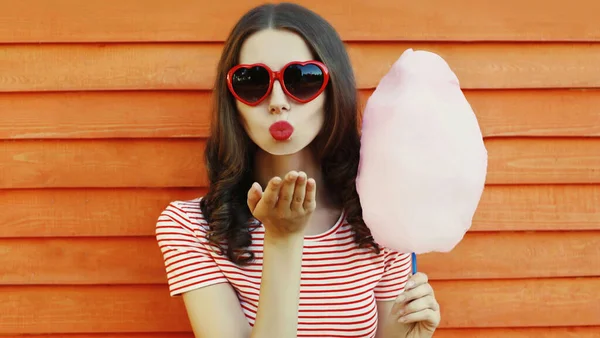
{"x": 543, "y": 161}
{"x": 527, "y": 112}
{"x": 545, "y": 208}
{"x": 179, "y": 163}
{"x": 193, "y": 66}
{"x": 517, "y": 255}
{"x": 491, "y": 66}
{"x": 107, "y": 163}
{"x": 93, "y": 309}
{"x": 133, "y": 212}
{"x": 137, "y": 20}
{"x": 178, "y": 114}
{"x": 105, "y": 67}
{"x": 519, "y": 303}
{"x": 139, "y": 308}
{"x": 546, "y": 332}
{"x": 131, "y": 260}
{"x": 86, "y": 212}
{"x": 160, "y": 114}
{"x": 537, "y": 113}
{"x": 479, "y": 256}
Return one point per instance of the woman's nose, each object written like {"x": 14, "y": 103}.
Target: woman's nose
{"x": 278, "y": 101}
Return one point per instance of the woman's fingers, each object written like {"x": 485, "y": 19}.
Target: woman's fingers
{"x": 426, "y": 315}
{"x": 406, "y": 297}
{"x": 310, "y": 201}
{"x": 271, "y": 194}
{"x": 287, "y": 191}
{"x": 254, "y": 195}
{"x": 299, "y": 193}
{"x": 417, "y": 279}
{"x": 292, "y": 196}
{"x": 427, "y": 302}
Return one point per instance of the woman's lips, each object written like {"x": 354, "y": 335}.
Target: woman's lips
{"x": 281, "y": 130}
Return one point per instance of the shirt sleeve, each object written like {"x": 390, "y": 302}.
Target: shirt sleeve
{"x": 396, "y": 268}
{"x": 188, "y": 261}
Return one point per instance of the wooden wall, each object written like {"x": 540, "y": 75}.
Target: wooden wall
{"x": 104, "y": 111}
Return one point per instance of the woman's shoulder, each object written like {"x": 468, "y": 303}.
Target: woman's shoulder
{"x": 183, "y": 213}
{"x": 392, "y": 257}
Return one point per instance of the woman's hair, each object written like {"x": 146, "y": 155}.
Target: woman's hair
{"x": 229, "y": 153}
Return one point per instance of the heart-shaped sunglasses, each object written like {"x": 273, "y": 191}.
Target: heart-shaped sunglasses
{"x": 302, "y": 81}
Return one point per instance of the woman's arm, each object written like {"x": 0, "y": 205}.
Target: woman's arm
{"x": 277, "y": 314}
{"x": 387, "y": 327}
{"x": 383, "y": 309}
{"x": 215, "y": 312}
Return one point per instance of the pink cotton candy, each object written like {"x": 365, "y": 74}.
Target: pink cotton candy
{"x": 423, "y": 161}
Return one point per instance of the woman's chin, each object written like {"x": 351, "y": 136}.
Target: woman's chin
{"x": 283, "y": 148}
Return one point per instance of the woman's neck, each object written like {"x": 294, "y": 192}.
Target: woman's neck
{"x": 267, "y": 166}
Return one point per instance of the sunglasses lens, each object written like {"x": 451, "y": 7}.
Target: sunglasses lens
{"x": 250, "y": 84}
{"x": 303, "y": 81}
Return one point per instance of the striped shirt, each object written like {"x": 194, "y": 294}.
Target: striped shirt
{"x": 340, "y": 282}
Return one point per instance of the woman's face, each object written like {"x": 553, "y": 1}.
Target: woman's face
{"x": 276, "y": 48}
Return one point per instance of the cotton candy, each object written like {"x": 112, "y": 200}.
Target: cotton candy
{"x": 423, "y": 162}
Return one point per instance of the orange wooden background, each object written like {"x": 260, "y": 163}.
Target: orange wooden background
{"x": 104, "y": 111}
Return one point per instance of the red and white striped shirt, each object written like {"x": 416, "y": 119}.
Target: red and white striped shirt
{"x": 340, "y": 281}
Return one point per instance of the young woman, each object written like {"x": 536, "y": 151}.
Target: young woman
{"x": 278, "y": 248}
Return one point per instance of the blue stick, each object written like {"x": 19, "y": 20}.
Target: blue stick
{"x": 414, "y": 263}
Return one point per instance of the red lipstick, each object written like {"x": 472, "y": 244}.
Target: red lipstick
{"x": 281, "y": 130}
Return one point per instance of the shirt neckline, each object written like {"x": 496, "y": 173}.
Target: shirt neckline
{"x": 328, "y": 232}
{"x": 325, "y": 234}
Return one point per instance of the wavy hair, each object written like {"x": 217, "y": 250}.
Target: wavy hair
{"x": 229, "y": 153}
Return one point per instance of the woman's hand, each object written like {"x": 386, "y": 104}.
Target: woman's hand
{"x": 417, "y": 308}
{"x": 285, "y": 206}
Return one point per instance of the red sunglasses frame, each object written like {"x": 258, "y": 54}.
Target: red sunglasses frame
{"x": 278, "y": 75}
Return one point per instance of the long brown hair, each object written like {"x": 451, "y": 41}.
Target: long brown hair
{"x": 229, "y": 151}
